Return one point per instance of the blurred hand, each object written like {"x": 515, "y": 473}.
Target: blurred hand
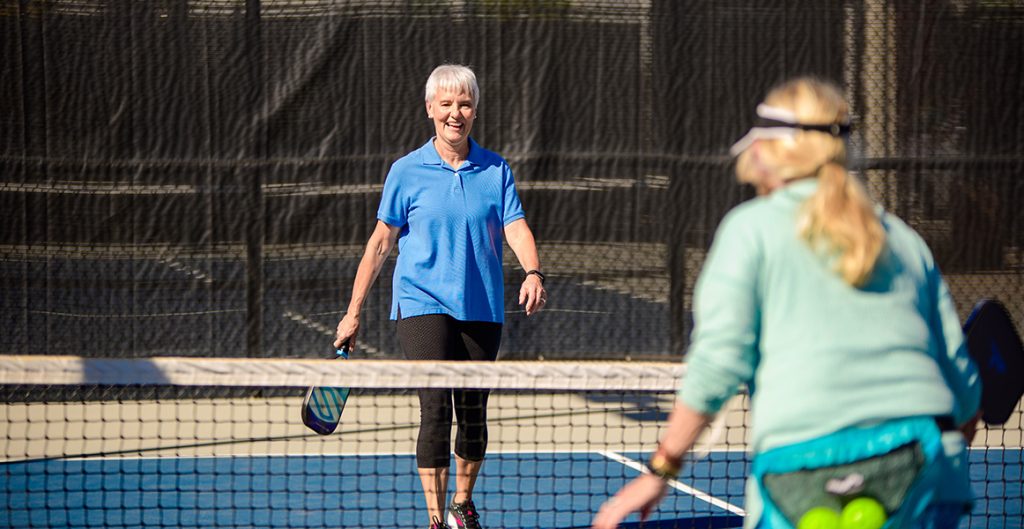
{"x": 348, "y": 328}
{"x": 532, "y": 293}
{"x": 641, "y": 495}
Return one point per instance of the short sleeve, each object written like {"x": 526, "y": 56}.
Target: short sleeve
{"x": 393, "y": 209}
{"x": 513, "y": 208}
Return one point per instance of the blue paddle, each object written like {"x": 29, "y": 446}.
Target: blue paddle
{"x": 322, "y": 407}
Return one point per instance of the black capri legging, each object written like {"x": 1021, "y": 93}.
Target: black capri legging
{"x": 441, "y": 337}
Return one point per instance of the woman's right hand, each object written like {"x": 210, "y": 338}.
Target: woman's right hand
{"x": 348, "y": 328}
{"x": 641, "y": 495}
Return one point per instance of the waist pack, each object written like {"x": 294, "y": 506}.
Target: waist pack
{"x": 895, "y": 463}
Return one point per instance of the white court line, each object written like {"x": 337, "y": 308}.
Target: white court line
{"x": 699, "y": 494}
{"x": 188, "y": 271}
{"x": 324, "y": 453}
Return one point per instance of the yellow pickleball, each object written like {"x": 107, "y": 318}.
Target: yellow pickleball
{"x": 819, "y": 518}
{"x": 863, "y": 513}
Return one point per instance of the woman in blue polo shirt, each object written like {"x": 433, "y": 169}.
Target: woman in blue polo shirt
{"x": 834, "y": 314}
{"x": 449, "y": 205}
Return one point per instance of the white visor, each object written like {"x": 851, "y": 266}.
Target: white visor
{"x": 778, "y": 117}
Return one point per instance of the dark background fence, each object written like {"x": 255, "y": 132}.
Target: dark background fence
{"x": 198, "y": 177}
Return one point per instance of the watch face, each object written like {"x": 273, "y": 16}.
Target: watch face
{"x": 661, "y": 466}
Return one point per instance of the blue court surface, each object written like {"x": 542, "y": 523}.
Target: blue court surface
{"x": 515, "y": 490}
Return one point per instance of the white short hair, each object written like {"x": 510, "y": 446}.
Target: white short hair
{"x": 454, "y": 78}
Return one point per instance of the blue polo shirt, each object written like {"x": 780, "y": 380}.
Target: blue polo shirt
{"x": 451, "y": 238}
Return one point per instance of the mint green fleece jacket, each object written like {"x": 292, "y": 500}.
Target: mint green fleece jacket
{"x": 817, "y": 354}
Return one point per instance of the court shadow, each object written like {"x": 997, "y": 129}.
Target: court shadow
{"x": 638, "y": 407}
{"x": 121, "y": 371}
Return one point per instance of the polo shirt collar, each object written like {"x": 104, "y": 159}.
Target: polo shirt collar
{"x": 429, "y": 156}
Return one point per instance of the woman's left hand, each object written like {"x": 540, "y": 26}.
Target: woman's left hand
{"x": 532, "y": 293}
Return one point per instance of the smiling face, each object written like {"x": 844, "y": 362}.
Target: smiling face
{"x": 453, "y": 115}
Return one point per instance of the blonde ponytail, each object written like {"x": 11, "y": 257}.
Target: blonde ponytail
{"x": 840, "y": 219}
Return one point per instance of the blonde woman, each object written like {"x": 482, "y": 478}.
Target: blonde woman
{"x": 836, "y": 317}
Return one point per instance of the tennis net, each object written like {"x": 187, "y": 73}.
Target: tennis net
{"x": 184, "y": 442}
